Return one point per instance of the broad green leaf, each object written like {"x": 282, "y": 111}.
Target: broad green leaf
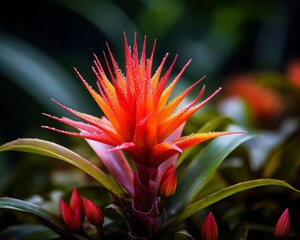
{"x": 54, "y": 150}
{"x": 217, "y": 196}
{"x": 183, "y": 235}
{"x": 283, "y": 160}
{"x": 202, "y": 168}
{"x": 28, "y": 232}
{"x": 48, "y": 218}
{"x": 216, "y": 124}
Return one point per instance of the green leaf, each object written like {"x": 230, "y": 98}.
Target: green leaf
{"x": 54, "y": 150}
{"x": 102, "y": 14}
{"x": 20, "y": 58}
{"x": 217, "y": 196}
{"x": 202, "y": 168}
{"x": 183, "y": 235}
{"x": 283, "y": 160}
{"x": 216, "y": 124}
{"x": 48, "y": 218}
{"x": 28, "y": 232}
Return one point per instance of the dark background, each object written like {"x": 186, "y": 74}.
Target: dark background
{"x": 222, "y": 37}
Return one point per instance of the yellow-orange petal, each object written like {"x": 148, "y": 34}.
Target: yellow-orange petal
{"x": 162, "y": 83}
{"x": 162, "y": 152}
{"x": 172, "y": 105}
{"x": 175, "y": 120}
{"x": 167, "y": 92}
{"x": 105, "y": 107}
{"x": 193, "y": 139}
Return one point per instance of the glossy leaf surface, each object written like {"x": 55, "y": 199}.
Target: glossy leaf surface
{"x": 217, "y": 196}
{"x": 54, "y": 150}
{"x": 48, "y": 218}
{"x": 202, "y": 168}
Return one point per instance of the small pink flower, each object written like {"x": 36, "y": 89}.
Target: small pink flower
{"x": 168, "y": 182}
{"x": 209, "y": 230}
{"x": 282, "y": 228}
{"x": 93, "y": 213}
{"x": 73, "y": 215}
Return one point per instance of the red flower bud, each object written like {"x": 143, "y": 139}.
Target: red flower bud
{"x": 70, "y": 216}
{"x": 209, "y": 230}
{"x": 93, "y": 213}
{"x": 168, "y": 182}
{"x": 77, "y": 202}
{"x": 282, "y": 228}
{"x": 73, "y": 214}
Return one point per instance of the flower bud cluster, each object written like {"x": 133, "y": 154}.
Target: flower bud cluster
{"x": 79, "y": 208}
{"x": 209, "y": 230}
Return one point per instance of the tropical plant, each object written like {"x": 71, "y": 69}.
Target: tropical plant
{"x": 154, "y": 186}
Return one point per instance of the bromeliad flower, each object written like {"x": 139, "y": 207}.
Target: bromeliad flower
{"x": 140, "y": 120}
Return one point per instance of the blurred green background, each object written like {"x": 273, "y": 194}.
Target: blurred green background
{"x": 41, "y": 41}
{"x": 231, "y": 42}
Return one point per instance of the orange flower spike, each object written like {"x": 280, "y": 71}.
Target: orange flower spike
{"x": 101, "y": 76}
{"x": 168, "y": 91}
{"x": 138, "y": 117}
{"x": 182, "y": 115}
{"x": 155, "y": 78}
{"x": 131, "y": 83}
{"x": 102, "y": 103}
{"x": 106, "y": 85}
{"x": 194, "y": 139}
{"x": 102, "y": 124}
{"x": 163, "y": 81}
{"x": 119, "y": 82}
{"x": 282, "y": 229}
{"x": 143, "y": 61}
{"x": 168, "y": 110}
{"x": 209, "y": 230}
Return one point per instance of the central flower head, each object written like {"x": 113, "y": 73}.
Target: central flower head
{"x": 139, "y": 118}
